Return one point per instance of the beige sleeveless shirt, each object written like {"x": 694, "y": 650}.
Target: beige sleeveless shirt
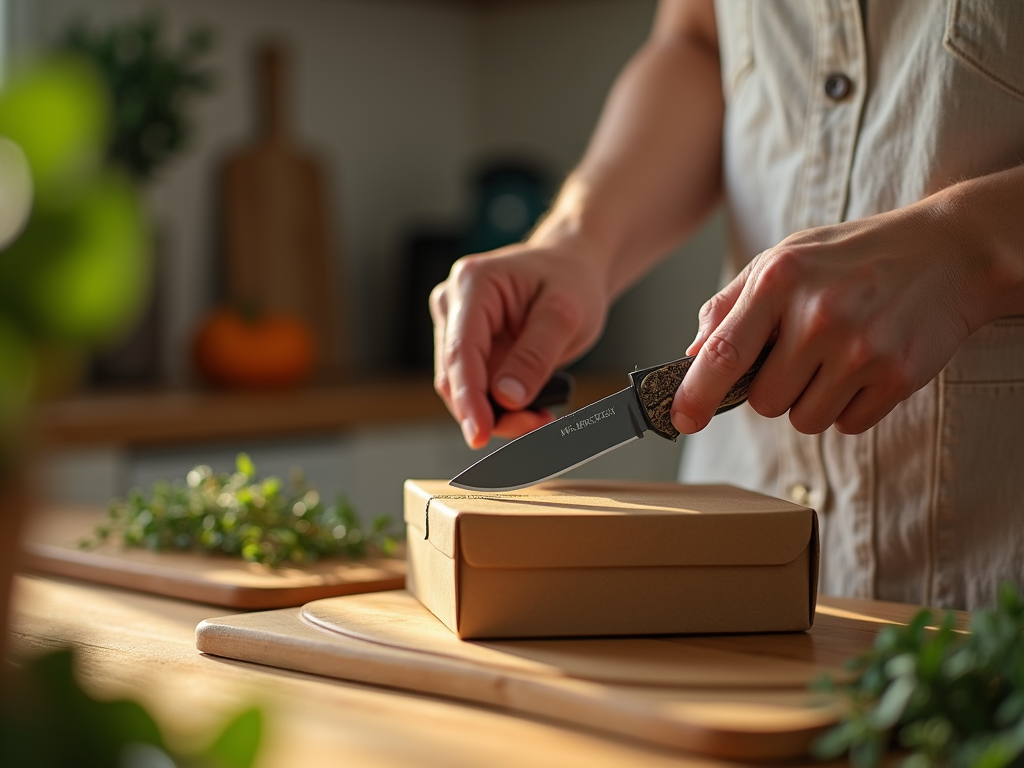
{"x": 832, "y": 117}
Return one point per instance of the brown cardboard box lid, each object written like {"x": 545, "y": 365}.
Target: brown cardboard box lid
{"x": 575, "y": 524}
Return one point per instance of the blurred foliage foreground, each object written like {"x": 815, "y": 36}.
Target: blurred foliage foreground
{"x": 74, "y": 255}
{"x": 48, "y": 721}
{"x": 953, "y": 699}
{"x": 71, "y": 275}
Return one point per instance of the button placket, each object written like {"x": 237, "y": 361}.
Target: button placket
{"x": 835, "y": 101}
{"x": 800, "y": 494}
{"x": 839, "y": 71}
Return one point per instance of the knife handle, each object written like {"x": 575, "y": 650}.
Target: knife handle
{"x": 557, "y": 391}
{"x": 656, "y": 387}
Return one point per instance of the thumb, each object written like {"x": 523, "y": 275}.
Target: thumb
{"x": 535, "y": 353}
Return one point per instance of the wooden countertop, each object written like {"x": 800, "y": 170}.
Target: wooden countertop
{"x": 144, "y": 647}
{"x": 189, "y": 416}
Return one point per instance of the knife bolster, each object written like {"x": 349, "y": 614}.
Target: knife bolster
{"x": 656, "y": 387}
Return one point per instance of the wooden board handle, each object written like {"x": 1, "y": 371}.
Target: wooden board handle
{"x": 272, "y": 71}
{"x": 656, "y": 387}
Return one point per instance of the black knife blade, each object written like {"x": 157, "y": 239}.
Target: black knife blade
{"x": 594, "y": 430}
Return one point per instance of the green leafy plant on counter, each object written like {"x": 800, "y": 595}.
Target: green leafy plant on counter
{"x": 238, "y": 514}
{"x": 149, "y": 82}
{"x": 954, "y": 700}
{"x": 48, "y": 721}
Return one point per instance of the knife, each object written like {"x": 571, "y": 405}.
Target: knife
{"x": 593, "y": 431}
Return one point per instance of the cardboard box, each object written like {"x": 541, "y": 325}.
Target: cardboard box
{"x": 569, "y": 558}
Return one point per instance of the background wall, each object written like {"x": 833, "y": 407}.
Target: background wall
{"x": 383, "y": 92}
{"x": 400, "y": 99}
{"x": 546, "y": 68}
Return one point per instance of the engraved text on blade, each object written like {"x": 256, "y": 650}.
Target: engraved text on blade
{"x": 587, "y": 422}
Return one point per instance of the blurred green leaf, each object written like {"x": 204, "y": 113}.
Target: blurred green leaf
{"x": 243, "y": 463}
{"x": 91, "y": 732}
{"x": 48, "y": 721}
{"x": 955, "y": 700}
{"x": 16, "y": 372}
{"x": 76, "y": 272}
{"x": 238, "y": 744}
{"x": 57, "y": 113}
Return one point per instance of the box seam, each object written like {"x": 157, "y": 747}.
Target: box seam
{"x": 815, "y": 557}
{"x": 464, "y": 497}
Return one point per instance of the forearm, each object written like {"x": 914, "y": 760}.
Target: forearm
{"x": 984, "y": 219}
{"x": 652, "y": 171}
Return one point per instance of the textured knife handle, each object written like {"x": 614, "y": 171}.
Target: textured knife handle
{"x": 557, "y": 391}
{"x": 658, "y": 387}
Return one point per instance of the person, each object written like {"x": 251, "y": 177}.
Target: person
{"x": 868, "y": 155}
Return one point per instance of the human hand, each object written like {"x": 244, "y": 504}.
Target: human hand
{"x": 863, "y": 314}
{"x": 503, "y": 321}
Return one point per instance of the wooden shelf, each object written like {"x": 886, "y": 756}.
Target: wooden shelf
{"x": 194, "y": 416}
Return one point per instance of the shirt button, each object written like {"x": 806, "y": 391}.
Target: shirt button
{"x": 800, "y": 494}
{"x": 838, "y": 86}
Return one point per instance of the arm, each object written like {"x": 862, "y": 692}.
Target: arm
{"x": 652, "y": 171}
{"x": 866, "y": 312}
{"x": 504, "y": 320}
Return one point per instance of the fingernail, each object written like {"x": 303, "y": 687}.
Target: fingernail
{"x": 694, "y": 345}
{"x": 683, "y": 423}
{"x": 469, "y": 430}
{"x": 512, "y": 389}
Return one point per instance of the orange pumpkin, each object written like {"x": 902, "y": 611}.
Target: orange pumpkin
{"x": 267, "y": 350}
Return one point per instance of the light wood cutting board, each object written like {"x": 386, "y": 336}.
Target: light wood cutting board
{"x": 732, "y": 697}
{"x": 51, "y": 546}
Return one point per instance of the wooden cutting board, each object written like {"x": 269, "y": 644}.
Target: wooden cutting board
{"x": 732, "y": 697}
{"x": 51, "y": 546}
{"x": 277, "y": 223}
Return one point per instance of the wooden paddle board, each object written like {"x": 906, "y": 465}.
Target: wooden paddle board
{"x": 733, "y": 697}
{"x": 52, "y": 546}
{"x": 277, "y": 229}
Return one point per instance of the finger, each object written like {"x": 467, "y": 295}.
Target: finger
{"x": 716, "y": 309}
{"x": 439, "y": 313}
{"x": 467, "y": 345}
{"x": 868, "y": 407}
{"x": 549, "y": 328}
{"x": 518, "y": 423}
{"x": 725, "y": 356}
{"x": 784, "y": 376}
{"x": 824, "y": 398}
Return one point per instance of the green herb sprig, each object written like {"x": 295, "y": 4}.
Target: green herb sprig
{"x": 955, "y": 700}
{"x": 236, "y": 514}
